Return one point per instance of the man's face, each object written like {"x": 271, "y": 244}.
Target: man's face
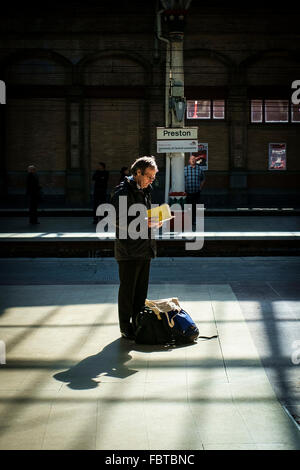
{"x": 143, "y": 180}
{"x": 193, "y": 160}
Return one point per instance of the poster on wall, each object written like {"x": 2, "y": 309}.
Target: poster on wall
{"x": 202, "y": 155}
{"x": 277, "y": 156}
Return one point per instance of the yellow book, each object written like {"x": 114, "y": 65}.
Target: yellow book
{"x": 163, "y": 212}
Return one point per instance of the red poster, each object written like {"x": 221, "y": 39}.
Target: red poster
{"x": 277, "y": 156}
{"x": 202, "y": 155}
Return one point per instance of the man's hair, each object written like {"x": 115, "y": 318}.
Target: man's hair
{"x": 102, "y": 163}
{"x": 142, "y": 163}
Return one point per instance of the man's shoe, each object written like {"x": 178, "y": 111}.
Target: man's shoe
{"x": 128, "y": 335}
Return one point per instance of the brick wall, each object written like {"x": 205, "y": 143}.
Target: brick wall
{"x": 36, "y": 134}
{"x": 259, "y": 137}
{"x": 108, "y": 59}
{"x": 215, "y": 134}
{"x": 115, "y": 132}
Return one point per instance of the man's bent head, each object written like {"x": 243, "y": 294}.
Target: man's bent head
{"x": 144, "y": 171}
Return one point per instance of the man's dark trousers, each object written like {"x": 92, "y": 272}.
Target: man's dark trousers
{"x": 33, "y": 206}
{"x": 134, "y": 277}
{"x": 194, "y": 199}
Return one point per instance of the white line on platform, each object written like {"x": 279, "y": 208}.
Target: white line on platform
{"x": 166, "y": 235}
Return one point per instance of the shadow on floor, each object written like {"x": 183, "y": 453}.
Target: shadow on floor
{"x": 110, "y": 361}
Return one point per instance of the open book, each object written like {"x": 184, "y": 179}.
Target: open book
{"x": 163, "y": 213}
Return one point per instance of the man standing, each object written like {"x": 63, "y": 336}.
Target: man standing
{"x": 134, "y": 254}
{"x": 33, "y": 192}
{"x": 194, "y": 181}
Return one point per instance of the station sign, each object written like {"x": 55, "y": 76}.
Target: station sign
{"x": 174, "y": 133}
{"x": 177, "y": 146}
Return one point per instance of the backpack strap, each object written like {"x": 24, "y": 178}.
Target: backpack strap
{"x": 153, "y": 307}
{"x": 170, "y": 322}
{"x": 209, "y": 337}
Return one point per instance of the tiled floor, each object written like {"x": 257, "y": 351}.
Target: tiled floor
{"x": 70, "y": 382}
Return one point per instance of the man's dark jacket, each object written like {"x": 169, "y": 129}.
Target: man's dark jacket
{"x": 100, "y": 178}
{"x": 33, "y": 189}
{"x": 129, "y": 249}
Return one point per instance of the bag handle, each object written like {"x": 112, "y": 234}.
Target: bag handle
{"x": 155, "y": 309}
{"x": 156, "y": 304}
{"x": 151, "y": 304}
{"x": 171, "y": 322}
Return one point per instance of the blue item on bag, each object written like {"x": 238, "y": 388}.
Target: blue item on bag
{"x": 184, "y": 329}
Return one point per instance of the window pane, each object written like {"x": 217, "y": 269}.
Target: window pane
{"x": 191, "y": 112}
{"x": 295, "y": 112}
{"x": 219, "y": 109}
{"x": 276, "y": 110}
{"x": 199, "y": 109}
{"x": 256, "y": 111}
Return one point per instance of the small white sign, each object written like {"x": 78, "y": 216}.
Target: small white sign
{"x": 2, "y": 92}
{"x": 165, "y": 133}
{"x": 2, "y": 352}
{"x": 170, "y": 146}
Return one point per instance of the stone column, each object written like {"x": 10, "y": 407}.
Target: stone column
{"x": 76, "y": 191}
{"x": 177, "y": 92}
{"x": 238, "y": 119}
{"x": 3, "y": 174}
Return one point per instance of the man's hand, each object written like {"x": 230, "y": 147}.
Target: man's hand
{"x": 153, "y": 222}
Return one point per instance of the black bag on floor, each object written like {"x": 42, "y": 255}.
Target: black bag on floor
{"x": 165, "y": 322}
{"x": 150, "y": 329}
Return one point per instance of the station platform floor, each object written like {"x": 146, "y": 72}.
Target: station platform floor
{"x": 69, "y": 382}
